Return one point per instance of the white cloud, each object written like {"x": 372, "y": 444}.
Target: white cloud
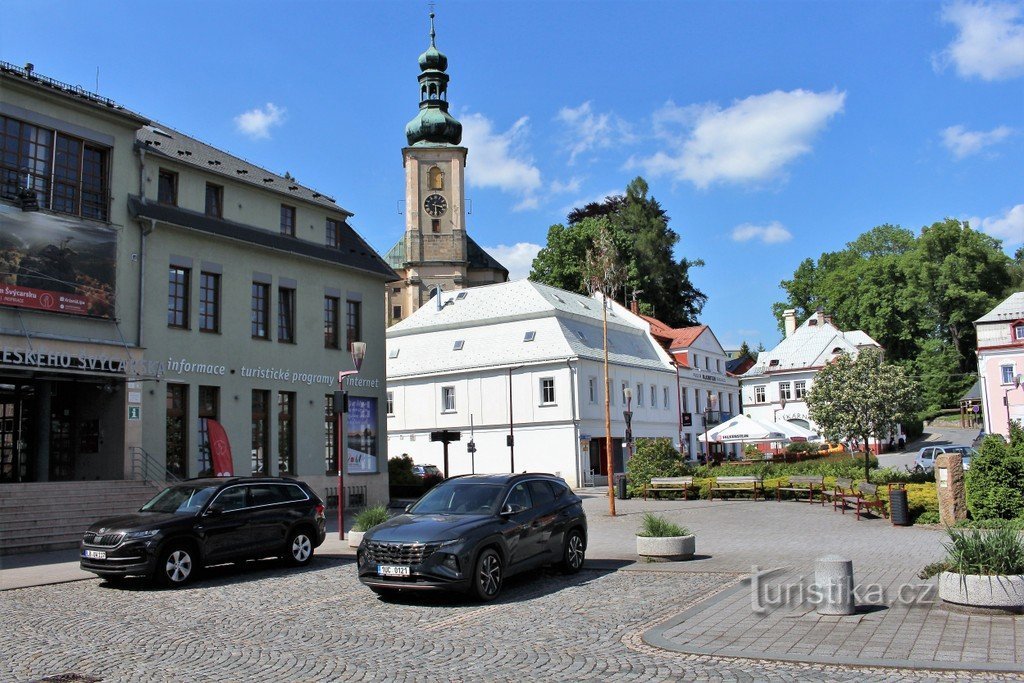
{"x": 256, "y": 123}
{"x": 989, "y": 42}
{"x": 750, "y": 141}
{"x": 1009, "y": 227}
{"x": 499, "y": 159}
{"x": 588, "y": 130}
{"x": 963, "y": 143}
{"x": 518, "y": 258}
{"x": 772, "y": 233}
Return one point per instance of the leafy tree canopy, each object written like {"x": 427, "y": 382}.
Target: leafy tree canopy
{"x": 645, "y": 244}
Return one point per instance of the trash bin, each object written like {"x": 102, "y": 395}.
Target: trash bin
{"x": 899, "y": 511}
{"x": 620, "y": 487}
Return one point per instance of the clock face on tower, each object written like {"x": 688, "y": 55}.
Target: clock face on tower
{"x": 435, "y": 205}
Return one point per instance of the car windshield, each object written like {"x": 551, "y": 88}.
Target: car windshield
{"x": 459, "y": 498}
{"x": 183, "y": 499}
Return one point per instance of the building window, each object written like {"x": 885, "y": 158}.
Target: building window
{"x": 625, "y": 385}
{"x": 718, "y": 364}
{"x": 333, "y": 232}
{"x": 685, "y": 396}
{"x": 435, "y": 225}
{"x": 799, "y": 389}
{"x": 529, "y": 336}
{"x": 178, "y": 297}
{"x": 286, "y": 433}
{"x": 391, "y": 403}
{"x": 639, "y": 395}
{"x": 209, "y": 405}
{"x": 177, "y": 432}
{"x": 288, "y": 220}
{"x": 66, "y": 173}
{"x": 214, "y": 200}
{"x": 209, "y": 302}
{"x": 1007, "y": 372}
{"x": 730, "y": 404}
{"x": 784, "y": 393}
{"x": 436, "y": 178}
{"x": 286, "y": 315}
{"x": 260, "y": 310}
{"x": 1018, "y": 331}
{"x": 396, "y": 312}
{"x": 707, "y": 363}
{"x": 547, "y": 390}
{"x": 459, "y": 344}
{"x": 447, "y": 399}
{"x": 330, "y": 443}
{"x": 353, "y": 323}
{"x": 260, "y": 431}
{"x": 167, "y": 187}
{"x": 759, "y": 394}
{"x": 664, "y": 396}
{"x": 331, "y": 304}
{"x": 654, "y": 396}
{"x": 592, "y": 386}
{"x": 696, "y": 362}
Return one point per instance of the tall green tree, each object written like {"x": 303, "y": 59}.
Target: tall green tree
{"x": 862, "y": 397}
{"x": 646, "y": 244}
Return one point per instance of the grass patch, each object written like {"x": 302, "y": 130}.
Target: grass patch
{"x": 370, "y": 517}
{"x": 659, "y": 527}
{"x": 994, "y": 552}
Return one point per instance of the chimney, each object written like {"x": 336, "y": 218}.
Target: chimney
{"x": 820, "y": 315}
{"x": 634, "y": 308}
{"x": 789, "y": 318}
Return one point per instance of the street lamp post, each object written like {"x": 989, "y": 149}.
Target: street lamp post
{"x": 340, "y": 408}
{"x": 511, "y": 439}
{"x": 708, "y": 409}
{"x": 627, "y": 415}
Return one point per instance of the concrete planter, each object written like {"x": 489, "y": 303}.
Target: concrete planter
{"x": 983, "y": 593}
{"x": 665, "y": 548}
{"x": 355, "y": 538}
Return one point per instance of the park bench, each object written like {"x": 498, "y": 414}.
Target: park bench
{"x": 723, "y": 484}
{"x": 868, "y": 499}
{"x": 806, "y": 485}
{"x": 669, "y": 484}
{"x": 841, "y": 494}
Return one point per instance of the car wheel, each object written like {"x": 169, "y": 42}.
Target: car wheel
{"x": 176, "y": 566}
{"x": 487, "y": 575}
{"x": 575, "y": 550}
{"x": 300, "y": 548}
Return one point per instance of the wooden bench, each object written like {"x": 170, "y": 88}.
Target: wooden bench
{"x": 723, "y": 484}
{"x": 669, "y": 484}
{"x": 803, "y": 485}
{"x": 841, "y": 494}
{"x": 868, "y": 499}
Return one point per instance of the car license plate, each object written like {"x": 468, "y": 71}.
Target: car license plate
{"x": 95, "y": 554}
{"x": 391, "y": 570}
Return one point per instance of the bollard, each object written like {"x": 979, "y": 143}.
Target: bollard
{"x": 833, "y": 577}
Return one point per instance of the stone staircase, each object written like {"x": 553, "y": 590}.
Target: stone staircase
{"x": 46, "y": 516}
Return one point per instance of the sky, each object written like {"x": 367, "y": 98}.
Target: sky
{"x": 770, "y": 132}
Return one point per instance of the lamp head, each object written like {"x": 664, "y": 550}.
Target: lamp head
{"x": 358, "y": 354}
{"x": 628, "y": 393}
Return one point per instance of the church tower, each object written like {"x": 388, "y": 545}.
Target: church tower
{"x": 435, "y": 249}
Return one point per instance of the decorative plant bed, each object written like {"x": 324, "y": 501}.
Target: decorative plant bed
{"x": 355, "y": 538}
{"x": 983, "y": 571}
{"x": 974, "y": 592}
{"x": 659, "y": 540}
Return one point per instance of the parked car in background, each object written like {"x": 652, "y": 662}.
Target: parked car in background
{"x": 925, "y": 460}
{"x": 422, "y": 471}
{"x": 831, "y": 448}
{"x": 202, "y": 522}
{"x": 982, "y": 435}
{"x": 470, "y": 533}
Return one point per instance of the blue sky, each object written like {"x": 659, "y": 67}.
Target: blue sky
{"x": 769, "y": 131}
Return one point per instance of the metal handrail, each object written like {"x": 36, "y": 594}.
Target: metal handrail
{"x": 147, "y": 468}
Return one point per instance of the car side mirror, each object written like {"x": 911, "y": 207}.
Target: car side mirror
{"x": 213, "y": 511}
{"x": 408, "y": 507}
{"x": 507, "y": 511}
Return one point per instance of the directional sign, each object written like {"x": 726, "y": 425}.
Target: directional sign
{"x": 446, "y": 436}
{"x": 134, "y": 412}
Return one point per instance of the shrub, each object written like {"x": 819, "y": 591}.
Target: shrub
{"x": 995, "y": 481}
{"x": 370, "y": 517}
{"x": 653, "y": 458}
{"x": 927, "y": 517}
{"x": 887, "y": 475}
{"x": 659, "y": 527}
{"x": 923, "y": 503}
{"x": 997, "y": 552}
{"x": 400, "y": 471}
{"x": 803, "y": 448}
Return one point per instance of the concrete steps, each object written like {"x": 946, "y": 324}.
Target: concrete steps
{"x": 45, "y": 516}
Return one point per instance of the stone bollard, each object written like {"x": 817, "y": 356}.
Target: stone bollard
{"x": 833, "y": 577}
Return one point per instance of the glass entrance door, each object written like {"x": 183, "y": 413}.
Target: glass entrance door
{"x": 13, "y": 466}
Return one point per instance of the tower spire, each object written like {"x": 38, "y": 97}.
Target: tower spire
{"x": 433, "y": 125}
{"x": 432, "y": 34}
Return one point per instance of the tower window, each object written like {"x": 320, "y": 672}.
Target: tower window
{"x": 436, "y": 176}
{"x": 435, "y": 225}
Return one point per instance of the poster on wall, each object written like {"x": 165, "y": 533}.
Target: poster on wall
{"x": 56, "y": 263}
{"x": 361, "y": 431}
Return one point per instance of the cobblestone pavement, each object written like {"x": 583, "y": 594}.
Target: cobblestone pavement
{"x": 267, "y": 623}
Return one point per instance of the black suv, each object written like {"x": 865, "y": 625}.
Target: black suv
{"x": 202, "y": 522}
{"x": 469, "y": 533}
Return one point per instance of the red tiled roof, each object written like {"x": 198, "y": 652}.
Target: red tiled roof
{"x": 685, "y": 336}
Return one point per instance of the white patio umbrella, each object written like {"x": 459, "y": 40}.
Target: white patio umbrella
{"x": 743, "y": 429}
{"x": 795, "y": 432}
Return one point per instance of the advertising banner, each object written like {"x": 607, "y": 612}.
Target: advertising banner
{"x": 220, "y": 450}
{"x": 362, "y": 435}
{"x": 56, "y": 263}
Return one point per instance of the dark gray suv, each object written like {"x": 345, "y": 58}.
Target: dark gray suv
{"x": 469, "y": 533}
{"x": 203, "y": 522}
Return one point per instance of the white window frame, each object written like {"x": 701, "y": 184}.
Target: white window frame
{"x": 685, "y": 408}
{"x": 760, "y": 394}
{"x": 639, "y": 395}
{"x": 448, "y": 404}
{"x": 664, "y": 395}
{"x": 592, "y": 383}
{"x": 391, "y": 403}
{"x": 799, "y": 389}
{"x": 1018, "y": 331}
{"x": 1006, "y": 373}
{"x": 654, "y": 396}
{"x": 546, "y": 383}
{"x": 785, "y": 391}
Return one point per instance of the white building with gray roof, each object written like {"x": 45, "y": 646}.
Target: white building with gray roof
{"x": 533, "y": 350}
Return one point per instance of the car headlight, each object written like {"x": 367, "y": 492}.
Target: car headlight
{"x": 149, "y": 533}
{"x": 446, "y": 544}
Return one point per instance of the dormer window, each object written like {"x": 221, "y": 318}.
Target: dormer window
{"x": 529, "y": 336}
{"x": 461, "y": 296}
{"x": 773, "y": 362}
{"x": 459, "y": 343}
{"x": 1018, "y": 331}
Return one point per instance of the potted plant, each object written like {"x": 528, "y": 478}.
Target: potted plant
{"x": 983, "y": 570}
{"x": 660, "y": 540}
{"x": 366, "y": 520}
